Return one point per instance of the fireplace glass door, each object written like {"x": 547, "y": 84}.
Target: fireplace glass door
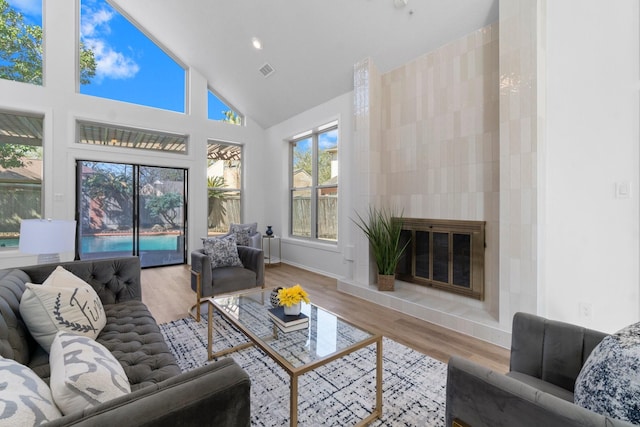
{"x": 447, "y": 255}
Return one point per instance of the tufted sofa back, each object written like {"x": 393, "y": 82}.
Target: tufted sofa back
{"x": 115, "y": 280}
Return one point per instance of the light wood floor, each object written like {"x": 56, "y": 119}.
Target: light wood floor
{"x": 168, "y": 294}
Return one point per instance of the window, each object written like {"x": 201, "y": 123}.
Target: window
{"x": 314, "y": 184}
{"x": 117, "y": 136}
{"x": 20, "y": 174}
{"x": 119, "y": 62}
{"x": 224, "y": 186}
{"x": 21, "y": 52}
{"x": 218, "y": 110}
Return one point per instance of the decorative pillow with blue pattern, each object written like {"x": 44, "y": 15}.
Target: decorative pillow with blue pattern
{"x": 609, "y": 382}
{"x": 84, "y": 373}
{"x": 222, "y": 251}
{"x": 25, "y": 399}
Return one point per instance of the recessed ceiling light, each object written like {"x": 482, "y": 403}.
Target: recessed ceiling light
{"x": 400, "y": 3}
{"x": 256, "y": 43}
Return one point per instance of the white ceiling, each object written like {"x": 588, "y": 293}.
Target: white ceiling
{"x": 312, "y": 44}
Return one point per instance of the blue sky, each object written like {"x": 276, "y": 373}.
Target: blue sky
{"x": 130, "y": 67}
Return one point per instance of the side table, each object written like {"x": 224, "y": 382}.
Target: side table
{"x": 268, "y": 255}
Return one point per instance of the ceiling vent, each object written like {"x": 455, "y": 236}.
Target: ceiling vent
{"x": 266, "y": 70}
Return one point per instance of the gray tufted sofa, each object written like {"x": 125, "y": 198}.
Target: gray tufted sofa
{"x": 546, "y": 358}
{"x": 216, "y": 394}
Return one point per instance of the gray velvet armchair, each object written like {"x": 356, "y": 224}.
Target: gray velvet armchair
{"x": 546, "y": 358}
{"x": 207, "y": 282}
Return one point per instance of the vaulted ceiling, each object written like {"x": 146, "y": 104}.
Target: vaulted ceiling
{"x": 311, "y": 44}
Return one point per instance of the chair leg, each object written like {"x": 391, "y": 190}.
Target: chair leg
{"x": 198, "y": 277}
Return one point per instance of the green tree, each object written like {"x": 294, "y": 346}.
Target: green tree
{"x": 216, "y": 196}
{"x": 110, "y": 187}
{"x": 21, "y": 50}
{"x": 14, "y": 155}
{"x": 231, "y": 117}
{"x": 302, "y": 160}
{"x": 21, "y": 60}
{"x": 165, "y": 206}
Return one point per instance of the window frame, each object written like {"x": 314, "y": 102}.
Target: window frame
{"x": 37, "y": 133}
{"x": 239, "y": 190}
{"x": 315, "y": 187}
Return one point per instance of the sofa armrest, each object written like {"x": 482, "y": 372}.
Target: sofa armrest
{"x": 217, "y": 394}
{"x": 253, "y": 259}
{"x": 550, "y": 350}
{"x": 480, "y": 397}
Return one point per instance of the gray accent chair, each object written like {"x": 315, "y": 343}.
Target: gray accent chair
{"x": 546, "y": 358}
{"x": 208, "y": 282}
{"x": 216, "y": 394}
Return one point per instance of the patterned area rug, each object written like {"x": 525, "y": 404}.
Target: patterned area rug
{"x": 338, "y": 394}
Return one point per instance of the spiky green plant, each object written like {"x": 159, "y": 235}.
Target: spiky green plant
{"x": 383, "y": 229}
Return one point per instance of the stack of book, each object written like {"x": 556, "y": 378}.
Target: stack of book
{"x": 288, "y": 323}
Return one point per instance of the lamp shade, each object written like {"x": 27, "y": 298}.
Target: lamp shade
{"x": 47, "y": 236}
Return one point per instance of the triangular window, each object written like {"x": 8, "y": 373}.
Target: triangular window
{"x": 219, "y": 110}
{"x": 128, "y": 66}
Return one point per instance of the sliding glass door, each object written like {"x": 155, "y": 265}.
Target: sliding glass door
{"x": 129, "y": 209}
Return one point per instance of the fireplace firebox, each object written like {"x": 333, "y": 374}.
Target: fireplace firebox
{"x": 444, "y": 254}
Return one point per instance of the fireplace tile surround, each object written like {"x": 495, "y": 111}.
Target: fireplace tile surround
{"x": 444, "y": 137}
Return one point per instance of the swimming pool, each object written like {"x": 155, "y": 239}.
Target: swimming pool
{"x": 156, "y": 242}
{"x": 121, "y": 243}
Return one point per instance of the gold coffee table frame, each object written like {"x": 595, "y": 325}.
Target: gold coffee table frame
{"x": 295, "y": 372}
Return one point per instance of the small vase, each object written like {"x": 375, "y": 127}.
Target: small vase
{"x": 274, "y": 298}
{"x": 269, "y": 231}
{"x": 293, "y": 310}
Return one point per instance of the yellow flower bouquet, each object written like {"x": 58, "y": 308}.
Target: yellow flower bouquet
{"x": 293, "y": 295}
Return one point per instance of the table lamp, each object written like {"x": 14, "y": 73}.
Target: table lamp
{"x": 47, "y": 238}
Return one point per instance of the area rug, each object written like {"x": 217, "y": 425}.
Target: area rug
{"x": 338, "y": 394}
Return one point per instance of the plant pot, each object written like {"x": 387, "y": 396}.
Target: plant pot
{"x": 293, "y": 310}
{"x": 386, "y": 282}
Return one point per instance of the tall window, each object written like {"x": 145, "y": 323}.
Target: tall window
{"x": 224, "y": 186}
{"x": 21, "y": 41}
{"x": 314, "y": 183}
{"x": 20, "y": 174}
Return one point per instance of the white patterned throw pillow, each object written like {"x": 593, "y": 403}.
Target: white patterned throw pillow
{"x": 222, "y": 251}
{"x": 609, "y": 382}
{"x": 243, "y": 232}
{"x": 62, "y": 302}
{"x": 84, "y": 373}
{"x": 25, "y": 399}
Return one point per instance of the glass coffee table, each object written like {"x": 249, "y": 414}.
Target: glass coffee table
{"x": 328, "y": 337}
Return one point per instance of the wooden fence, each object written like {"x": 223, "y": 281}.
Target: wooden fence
{"x": 18, "y": 201}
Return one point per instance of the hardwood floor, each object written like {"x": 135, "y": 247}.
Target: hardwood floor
{"x": 168, "y": 294}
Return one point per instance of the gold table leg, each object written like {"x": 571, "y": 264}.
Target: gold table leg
{"x": 210, "y": 353}
{"x": 293, "y": 405}
{"x": 377, "y": 412}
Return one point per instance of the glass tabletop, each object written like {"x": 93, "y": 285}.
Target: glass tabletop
{"x": 325, "y": 335}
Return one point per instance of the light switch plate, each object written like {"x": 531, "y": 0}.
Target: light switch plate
{"x": 623, "y": 190}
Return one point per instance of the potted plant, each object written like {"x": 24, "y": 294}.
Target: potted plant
{"x": 383, "y": 229}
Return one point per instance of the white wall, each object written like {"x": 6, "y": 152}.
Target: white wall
{"x": 62, "y": 106}
{"x": 593, "y": 112}
{"x": 325, "y": 258}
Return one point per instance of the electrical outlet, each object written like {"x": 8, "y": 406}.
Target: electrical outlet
{"x": 585, "y": 310}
